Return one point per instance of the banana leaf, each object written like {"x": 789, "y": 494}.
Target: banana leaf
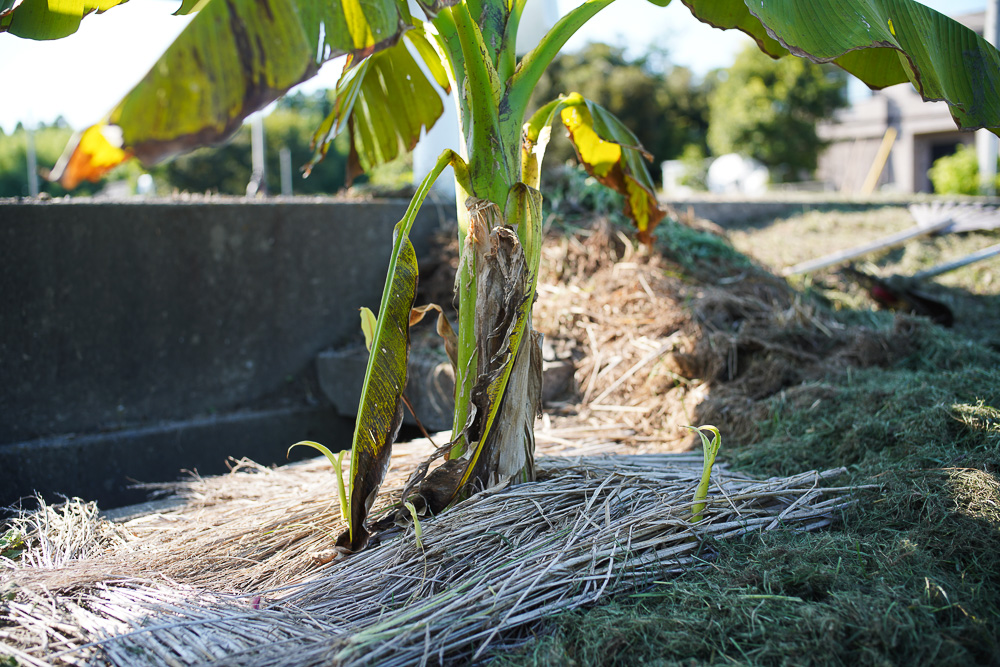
{"x": 612, "y": 154}
{"x": 387, "y": 101}
{"x": 882, "y": 42}
{"x": 380, "y": 412}
{"x": 235, "y": 57}
{"x": 46, "y": 19}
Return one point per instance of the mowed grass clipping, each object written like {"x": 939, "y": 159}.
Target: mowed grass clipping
{"x": 910, "y": 576}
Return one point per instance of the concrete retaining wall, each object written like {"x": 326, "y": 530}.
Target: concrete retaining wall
{"x": 118, "y": 317}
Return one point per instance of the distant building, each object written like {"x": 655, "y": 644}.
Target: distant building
{"x": 925, "y": 132}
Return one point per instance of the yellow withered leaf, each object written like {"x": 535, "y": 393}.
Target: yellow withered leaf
{"x": 612, "y": 154}
{"x": 98, "y": 150}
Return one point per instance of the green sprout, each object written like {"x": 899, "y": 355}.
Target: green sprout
{"x": 710, "y": 449}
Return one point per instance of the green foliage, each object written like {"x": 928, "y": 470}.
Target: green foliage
{"x": 226, "y": 169}
{"x": 570, "y": 190}
{"x": 768, "y": 109}
{"x": 710, "y": 449}
{"x": 49, "y": 142}
{"x": 662, "y": 104}
{"x": 698, "y": 251}
{"x": 11, "y": 544}
{"x": 958, "y": 173}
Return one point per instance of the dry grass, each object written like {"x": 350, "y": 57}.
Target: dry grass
{"x": 243, "y": 573}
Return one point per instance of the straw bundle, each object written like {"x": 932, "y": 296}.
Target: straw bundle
{"x": 481, "y": 576}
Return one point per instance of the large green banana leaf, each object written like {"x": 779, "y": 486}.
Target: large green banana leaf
{"x": 387, "y": 101}
{"x": 235, "y": 57}
{"x": 882, "y": 42}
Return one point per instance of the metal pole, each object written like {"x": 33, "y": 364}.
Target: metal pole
{"x": 32, "y": 163}
{"x": 285, "y": 161}
{"x": 986, "y": 141}
{"x": 978, "y": 256}
{"x": 892, "y": 241}
{"x": 257, "y": 184}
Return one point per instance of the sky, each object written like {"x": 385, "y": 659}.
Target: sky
{"x": 81, "y": 77}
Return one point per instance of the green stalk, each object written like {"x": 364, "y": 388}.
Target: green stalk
{"x": 447, "y": 39}
{"x": 489, "y": 165}
{"x": 507, "y": 58}
{"x": 467, "y": 361}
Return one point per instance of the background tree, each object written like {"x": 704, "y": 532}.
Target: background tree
{"x": 226, "y": 169}
{"x": 768, "y": 110}
{"x": 49, "y": 140}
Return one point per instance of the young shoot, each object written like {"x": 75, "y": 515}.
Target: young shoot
{"x": 710, "y": 448}
{"x": 337, "y": 461}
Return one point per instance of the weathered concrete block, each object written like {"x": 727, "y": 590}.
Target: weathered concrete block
{"x": 117, "y": 318}
{"x": 113, "y": 314}
{"x": 430, "y": 386}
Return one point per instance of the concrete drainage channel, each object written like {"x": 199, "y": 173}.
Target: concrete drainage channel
{"x": 138, "y": 340}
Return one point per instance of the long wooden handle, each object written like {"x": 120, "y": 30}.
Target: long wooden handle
{"x": 888, "y": 242}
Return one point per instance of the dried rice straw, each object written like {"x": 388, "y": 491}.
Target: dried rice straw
{"x": 481, "y": 578}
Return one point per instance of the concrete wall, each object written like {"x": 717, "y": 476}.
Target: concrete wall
{"x": 119, "y": 317}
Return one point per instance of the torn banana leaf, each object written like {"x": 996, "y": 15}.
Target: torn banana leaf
{"x": 612, "y": 154}
{"x": 386, "y": 101}
{"x": 380, "y": 412}
{"x": 882, "y": 42}
{"x": 235, "y": 57}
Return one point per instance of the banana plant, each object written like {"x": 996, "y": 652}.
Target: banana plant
{"x": 236, "y": 56}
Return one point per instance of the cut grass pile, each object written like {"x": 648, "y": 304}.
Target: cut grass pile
{"x": 972, "y": 292}
{"x": 911, "y": 575}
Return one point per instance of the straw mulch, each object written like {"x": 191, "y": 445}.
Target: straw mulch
{"x": 241, "y": 572}
{"x": 658, "y": 347}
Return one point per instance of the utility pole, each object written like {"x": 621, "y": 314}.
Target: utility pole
{"x": 32, "y": 162}
{"x": 285, "y": 162}
{"x": 986, "y": 141}
{"x": 258, "y": 183}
